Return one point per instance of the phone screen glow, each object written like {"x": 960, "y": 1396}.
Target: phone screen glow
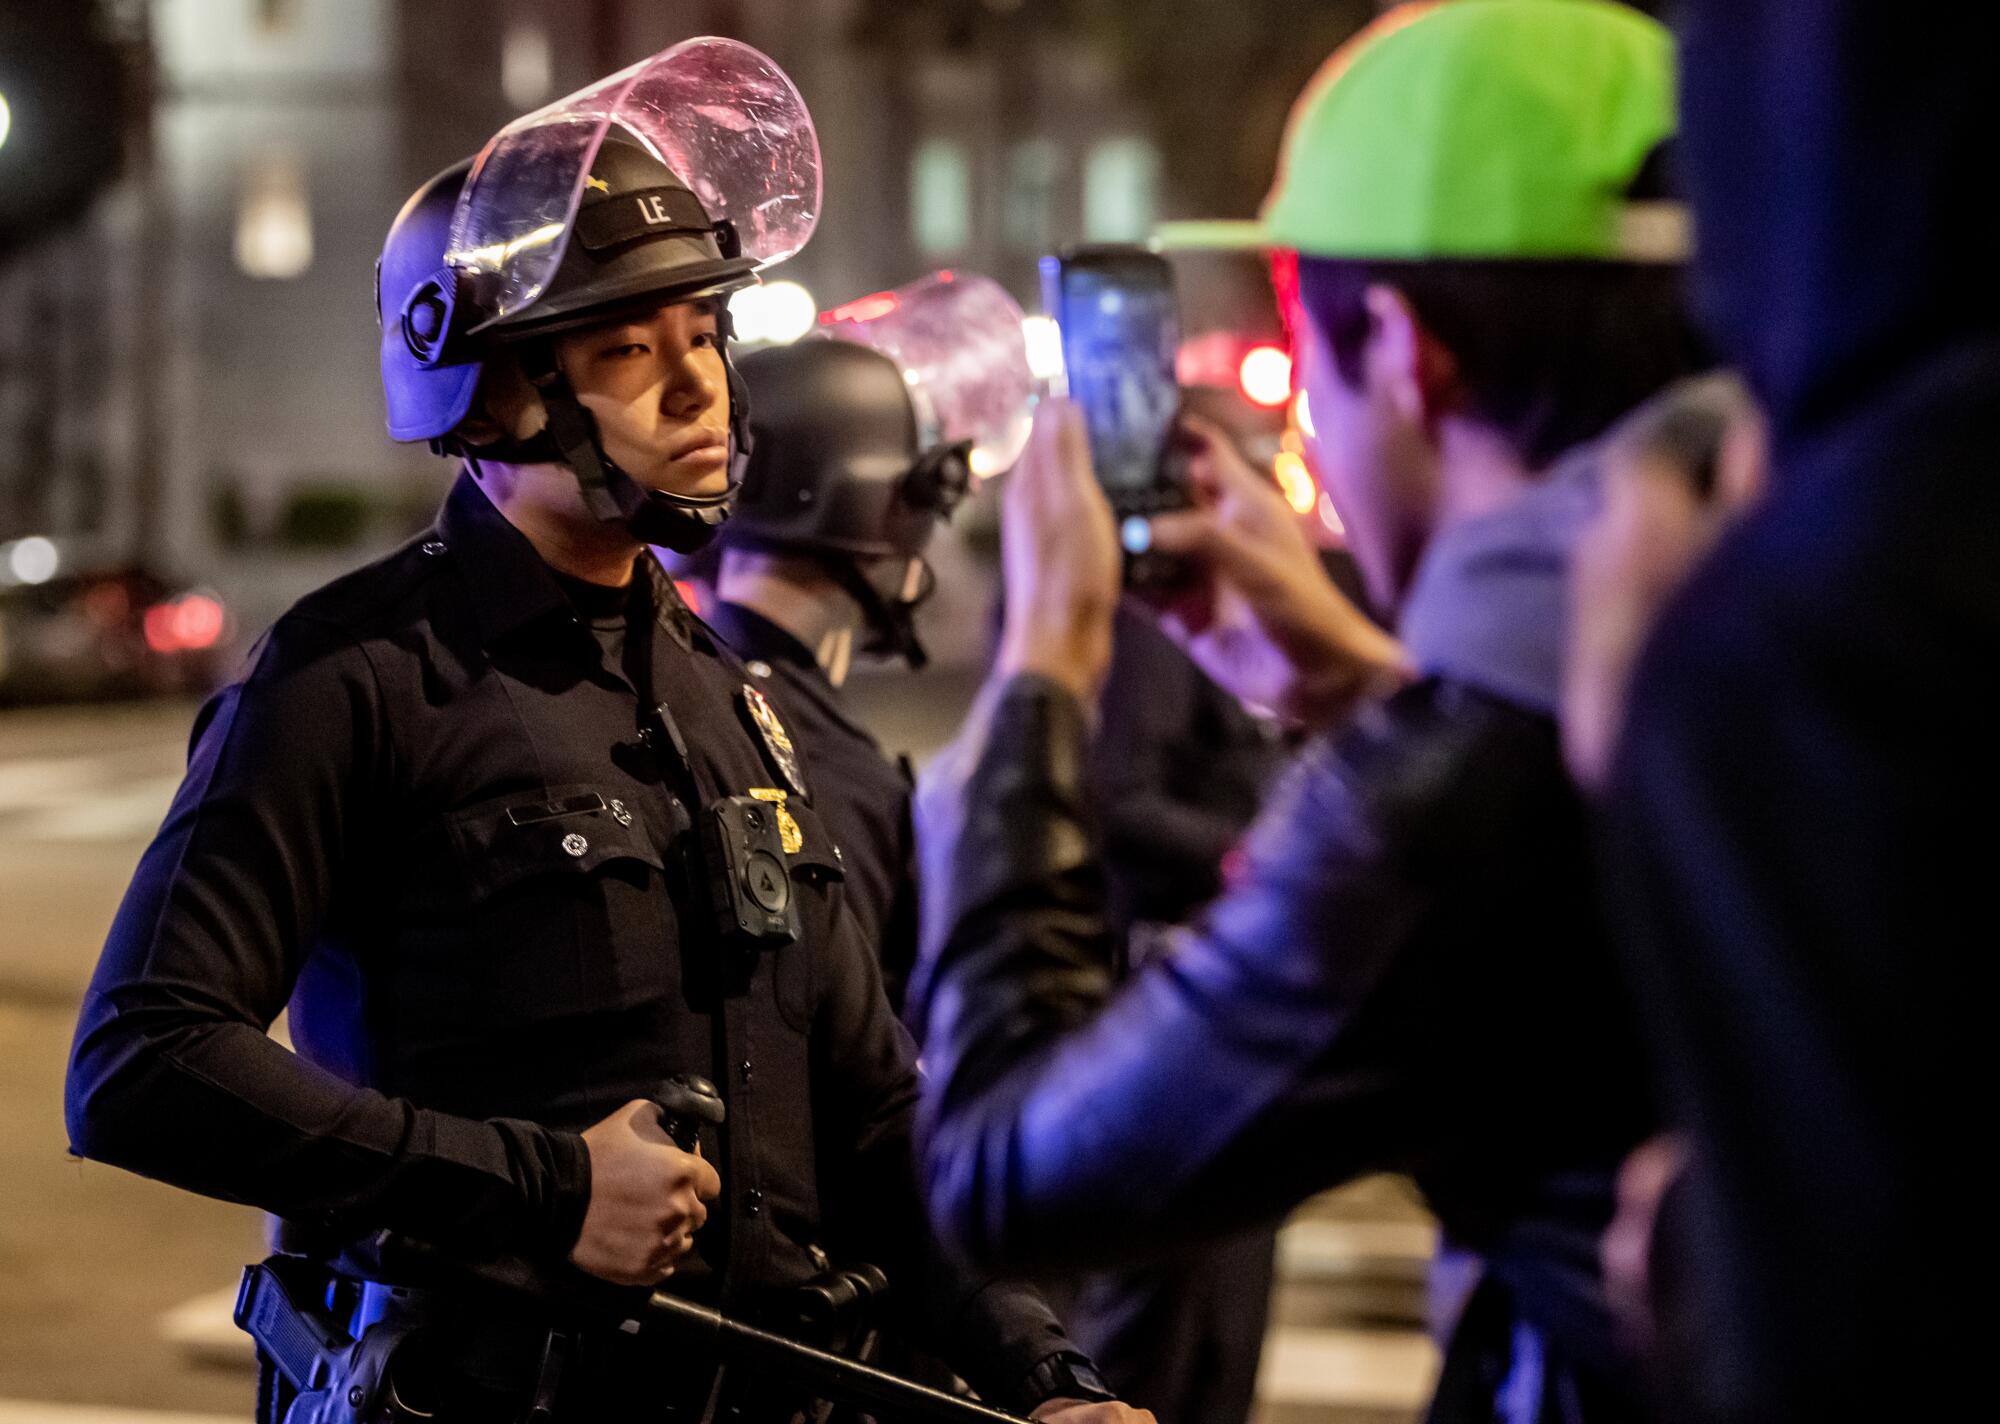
{"x": 1121, "y": 333}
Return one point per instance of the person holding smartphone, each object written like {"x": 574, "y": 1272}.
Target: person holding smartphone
{"x": 1409, "y": 970}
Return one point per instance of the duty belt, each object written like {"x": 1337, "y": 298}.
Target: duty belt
{"x": 342, "y": 1378}
{"x": 346, "y": 1348}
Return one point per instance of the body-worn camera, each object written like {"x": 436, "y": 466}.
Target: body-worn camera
{"x": 750, "y": 879}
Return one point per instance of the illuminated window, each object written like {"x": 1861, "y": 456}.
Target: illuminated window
{"x": 274, "y": 237}
{"x": 940, "y": 197}
{"x": 1121, "y": 181}
{"x": 527, "y": 72}
{"x": 1034, "y": 193}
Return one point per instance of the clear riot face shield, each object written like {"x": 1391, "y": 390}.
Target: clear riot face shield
{"x": 884, "y": 421}
{"x": 724, "y": 126}
{"x": 676, "y": 180}
{"x": 957, "y": 337}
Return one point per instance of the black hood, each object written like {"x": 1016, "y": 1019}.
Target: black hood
{"x": 1841, "y": 155}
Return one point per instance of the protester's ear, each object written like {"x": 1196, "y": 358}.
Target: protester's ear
{"x": 1741, "y": 464}
{"x": 1405, "y": 361}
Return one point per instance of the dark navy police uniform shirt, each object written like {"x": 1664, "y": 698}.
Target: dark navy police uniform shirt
{"x": 427, "y": 820}
{"x": 863, "y": 797}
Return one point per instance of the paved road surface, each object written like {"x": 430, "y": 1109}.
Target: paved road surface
{"x": 90, "y": 1258}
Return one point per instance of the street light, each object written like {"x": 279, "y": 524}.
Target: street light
{"x": 274, "y": 235}
{"x": 30, "y": 561}
{"x": 1295, "y": 481}
{"x": 62, "y": 67}
{"x": 777, "y": 313}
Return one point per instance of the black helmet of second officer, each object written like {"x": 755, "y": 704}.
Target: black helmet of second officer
{"x": 839, "y": 473}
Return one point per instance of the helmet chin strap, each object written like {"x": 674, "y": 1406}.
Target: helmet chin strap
{"x": 682, "y": 523}
{"x": 892, "y": 623}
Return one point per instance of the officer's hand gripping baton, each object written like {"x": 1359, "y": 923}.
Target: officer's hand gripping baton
{"x": 308, "y": 1355}
{"x": 685, "y": 1103}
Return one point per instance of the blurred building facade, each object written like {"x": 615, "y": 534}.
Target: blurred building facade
{"x": 194, "y": 376}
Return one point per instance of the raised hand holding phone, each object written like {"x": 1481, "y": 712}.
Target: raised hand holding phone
{"x": 1257, "y": 611}
{"x": 1059, "y": 554}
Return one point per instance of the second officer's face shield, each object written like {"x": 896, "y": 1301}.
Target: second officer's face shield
{"x": 722, "y": 116}
{"x": 957, "y": 338}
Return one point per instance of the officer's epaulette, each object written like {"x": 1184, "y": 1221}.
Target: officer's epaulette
{"x": 376, "y": 594}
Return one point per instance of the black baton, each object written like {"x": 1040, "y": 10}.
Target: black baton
{"x": 685, "y": 1103}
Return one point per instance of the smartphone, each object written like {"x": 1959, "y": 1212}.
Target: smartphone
{"x": 1121, "y": 335}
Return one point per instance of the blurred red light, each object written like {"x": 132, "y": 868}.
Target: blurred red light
{"x": 198, "y": 620}
{"x": 160, "y": 634}
{"x": 1209, "y": 359}
{"x": 862, "y": 309}
{"x": 186, "y": 625}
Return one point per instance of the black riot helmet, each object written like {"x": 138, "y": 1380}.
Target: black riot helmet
{"x": 839, "y": 473}
{"x": 640, "y": 237}
{"x": 644, "y": 189}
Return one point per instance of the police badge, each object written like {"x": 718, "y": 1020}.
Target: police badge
{"x": 790, "y": 835}
{"x": 777, "y": 741}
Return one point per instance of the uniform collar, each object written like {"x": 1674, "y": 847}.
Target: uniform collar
{"x": 751, "y": 635}
{"x": 510, "y": 583}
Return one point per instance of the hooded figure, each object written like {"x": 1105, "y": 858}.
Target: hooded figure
{"x": 1802, "y": 897}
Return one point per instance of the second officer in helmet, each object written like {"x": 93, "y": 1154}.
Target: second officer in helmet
{"x": 518, "y": 841}
{"x": 823, "y": 558}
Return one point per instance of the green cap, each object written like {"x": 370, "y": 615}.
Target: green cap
{"x": 1483, "y": 129}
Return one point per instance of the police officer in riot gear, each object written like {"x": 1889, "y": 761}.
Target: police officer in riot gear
{"x": 518, "y": 842}
{"x": 824, "y": 556}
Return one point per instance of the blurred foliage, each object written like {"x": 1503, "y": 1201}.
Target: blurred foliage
{"x": 228, "y": 518}
{"x": 324, "y": 517}
{"x": 1213, "y": 78}
{"x": 329, "y": 512}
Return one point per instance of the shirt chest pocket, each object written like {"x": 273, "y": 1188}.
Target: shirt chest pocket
{"x": 566, "y": 904}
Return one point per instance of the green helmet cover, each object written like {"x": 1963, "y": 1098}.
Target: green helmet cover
{"x": 1483, "y": 129}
